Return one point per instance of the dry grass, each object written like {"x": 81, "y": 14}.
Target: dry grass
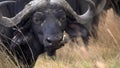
{"x": 5, "y": 61}
{"x": 103, "y": 53}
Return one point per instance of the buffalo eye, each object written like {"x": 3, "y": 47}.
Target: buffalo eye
{"x": 63, "y": 18}
{"x": 38, "y": 17}
{"x": 61, "y": 15}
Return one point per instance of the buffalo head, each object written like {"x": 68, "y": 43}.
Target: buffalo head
{"x": 49, "y": 25}
{"x": 50, "y": 18}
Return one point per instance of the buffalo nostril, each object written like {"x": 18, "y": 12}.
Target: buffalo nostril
{"x": 48, "y": 40}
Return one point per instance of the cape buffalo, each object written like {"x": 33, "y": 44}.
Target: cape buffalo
{"x": 40, "y": 25}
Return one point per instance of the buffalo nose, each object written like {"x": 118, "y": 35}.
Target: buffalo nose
{"x": 52, "y": 41}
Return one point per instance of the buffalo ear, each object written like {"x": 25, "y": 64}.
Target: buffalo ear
{"x": 75, "y": 30}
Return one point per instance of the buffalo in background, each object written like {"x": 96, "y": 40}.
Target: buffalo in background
{"x": 39, "y": 26}
{"x": 114, "y": 4}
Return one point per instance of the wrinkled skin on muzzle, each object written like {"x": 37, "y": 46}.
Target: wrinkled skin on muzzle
{"x": 49, "y": 26}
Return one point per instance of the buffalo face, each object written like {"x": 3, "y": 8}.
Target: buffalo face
{"x": 49, "y": 25}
